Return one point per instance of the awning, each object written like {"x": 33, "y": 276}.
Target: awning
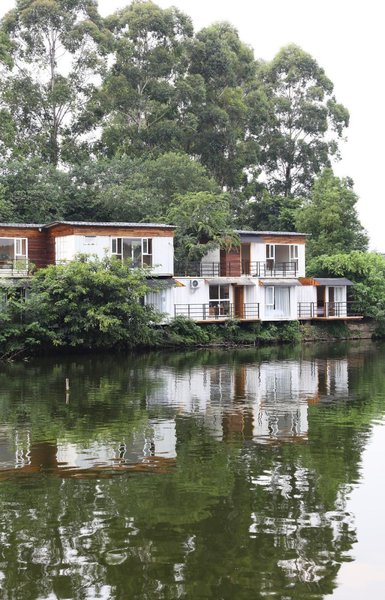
{"x": 280, "y": 282}
{"x": 332, "y": 281}
{"x": 165, "y": 282}
{"x": 231, "y": 280}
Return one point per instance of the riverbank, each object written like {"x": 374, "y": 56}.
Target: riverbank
{"x": 182, "y": 332}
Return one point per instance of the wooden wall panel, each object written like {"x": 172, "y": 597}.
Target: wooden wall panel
{"x": 62, "y": 230}
{"x": 41, "y": 242}
{"x": 231, "y": 263}
{"x": 37, "y": 242}
{"x": 280, "y": 239}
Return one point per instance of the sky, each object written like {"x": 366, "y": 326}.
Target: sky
{"x": 346, "y": 38}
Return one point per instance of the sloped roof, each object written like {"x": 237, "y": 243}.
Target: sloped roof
{"x": 333, "y": 281}
{"x": 286, "y": 282}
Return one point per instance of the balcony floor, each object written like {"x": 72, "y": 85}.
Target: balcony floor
{"x": 356, "y": 318}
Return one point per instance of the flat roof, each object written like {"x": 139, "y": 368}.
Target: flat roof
{"x": 24, "y": 225}
{"x": 108, "y": 224}
{"x": 85, "y": 224}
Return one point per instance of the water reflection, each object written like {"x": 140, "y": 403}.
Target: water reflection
{"x": 194, "y": 475}
{"x": 266, "y": 402}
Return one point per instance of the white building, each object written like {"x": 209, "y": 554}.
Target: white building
{"x": 262, "y": 279}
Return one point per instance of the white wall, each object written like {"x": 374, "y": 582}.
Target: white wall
{"x": 307, "y": 293}
{"x": 189, "y": 295}
{"x": 212, "y": 257}
{"x": 162, "y": 250}
{"x": 163, "y": 256}
{"x": 301, "y": 260}
{"x": 257, "y": 252}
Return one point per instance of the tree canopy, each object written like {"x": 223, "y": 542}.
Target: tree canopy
{"x": 49, "y": 74}
{"x": 123, "y": 117}
{"x": 330, "y": 215}
{"x": 304, "y": 121}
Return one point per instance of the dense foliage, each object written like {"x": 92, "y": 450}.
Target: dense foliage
{"x": 116, "y": 118}
{"x": 366, "y": 271}
{"x": 136, "y": 117}
{"x": 330, "y": 215}
{"x": 87, "y": 303}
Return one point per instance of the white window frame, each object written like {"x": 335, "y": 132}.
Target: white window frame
{"x": 221, "y": 305}
{"x": 270, "y": 251}
{"x": 270, "y": 290}
{"x": 146, "y": 243}
{"x": 147, "y": 251}
{"x": 293, "y": 252}
{"x": 117, "y": 241}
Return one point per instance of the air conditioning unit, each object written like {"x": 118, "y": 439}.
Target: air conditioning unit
{"x": 194, "y": 283}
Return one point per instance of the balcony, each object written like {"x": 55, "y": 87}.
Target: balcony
{"x": 216, "y": 312}
{"x": 234, "y": 269}
{"x": 328, "y": 310}
{"x": 14, "y": 267}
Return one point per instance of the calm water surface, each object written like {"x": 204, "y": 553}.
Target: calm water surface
{"x": 246, "y": 474}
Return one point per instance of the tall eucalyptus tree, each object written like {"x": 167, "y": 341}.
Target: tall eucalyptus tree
{"x": 141, "y": 101}
{"x": 49, "y": 73}
{"x": 304, "y": 121}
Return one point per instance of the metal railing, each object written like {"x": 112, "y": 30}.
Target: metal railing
{"x": 217, "y": 311}
{"x": 270, "y": 269}
{"x": 234, "y": 269}
{"x": 328, "y": 310}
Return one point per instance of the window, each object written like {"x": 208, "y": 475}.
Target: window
{"x": 116, "y": 247}
{"x": 277, "y": 300}
{"x": 89, "y": 240}
{"x": 269, "y": 296}
{"x": 270, "y": 257}
{"x": 136, "y": 250}
{"x": 293, "y": 253}
{"x": 147, "y": 252}
{"x": 13, "y": 252}
{"x": 219, "y": 305}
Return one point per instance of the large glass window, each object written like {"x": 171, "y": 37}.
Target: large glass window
{"x": 219, "y": 296}
{"x": 13, "y": 251}
{"x": 137, "y": 250}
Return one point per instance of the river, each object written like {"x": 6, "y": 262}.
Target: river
{"x": 238, "y": 474}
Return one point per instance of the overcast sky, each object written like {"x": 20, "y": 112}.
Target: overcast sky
{"x": 347, "y": 40}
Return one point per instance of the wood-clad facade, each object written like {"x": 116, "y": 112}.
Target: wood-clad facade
{"x": 43, "y": 241}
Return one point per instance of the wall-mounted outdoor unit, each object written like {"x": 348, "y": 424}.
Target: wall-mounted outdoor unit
{"x": 194, "y": 283}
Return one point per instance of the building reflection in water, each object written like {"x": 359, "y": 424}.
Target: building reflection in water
{"x": 264, "y": 402}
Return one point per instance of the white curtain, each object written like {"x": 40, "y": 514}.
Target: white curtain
{"x": 340, "y": 296}
{"x": 282, "y": 301}
{"x": 277, "y": 300}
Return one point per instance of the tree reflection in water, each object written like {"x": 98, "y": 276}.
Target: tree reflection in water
{"x": 207, "y": 475}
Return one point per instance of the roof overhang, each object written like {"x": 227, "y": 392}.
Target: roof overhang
{"x": 328, "y": 281}
{"x": 164, "y": 283}
{"x": 230, "y": 280}
{"x": 280, "y": 282}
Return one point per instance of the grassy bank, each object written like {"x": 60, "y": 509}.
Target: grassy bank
{"x": 183, "y": 333}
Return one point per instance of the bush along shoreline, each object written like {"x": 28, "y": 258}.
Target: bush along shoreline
{"x": 97, "y": 305}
